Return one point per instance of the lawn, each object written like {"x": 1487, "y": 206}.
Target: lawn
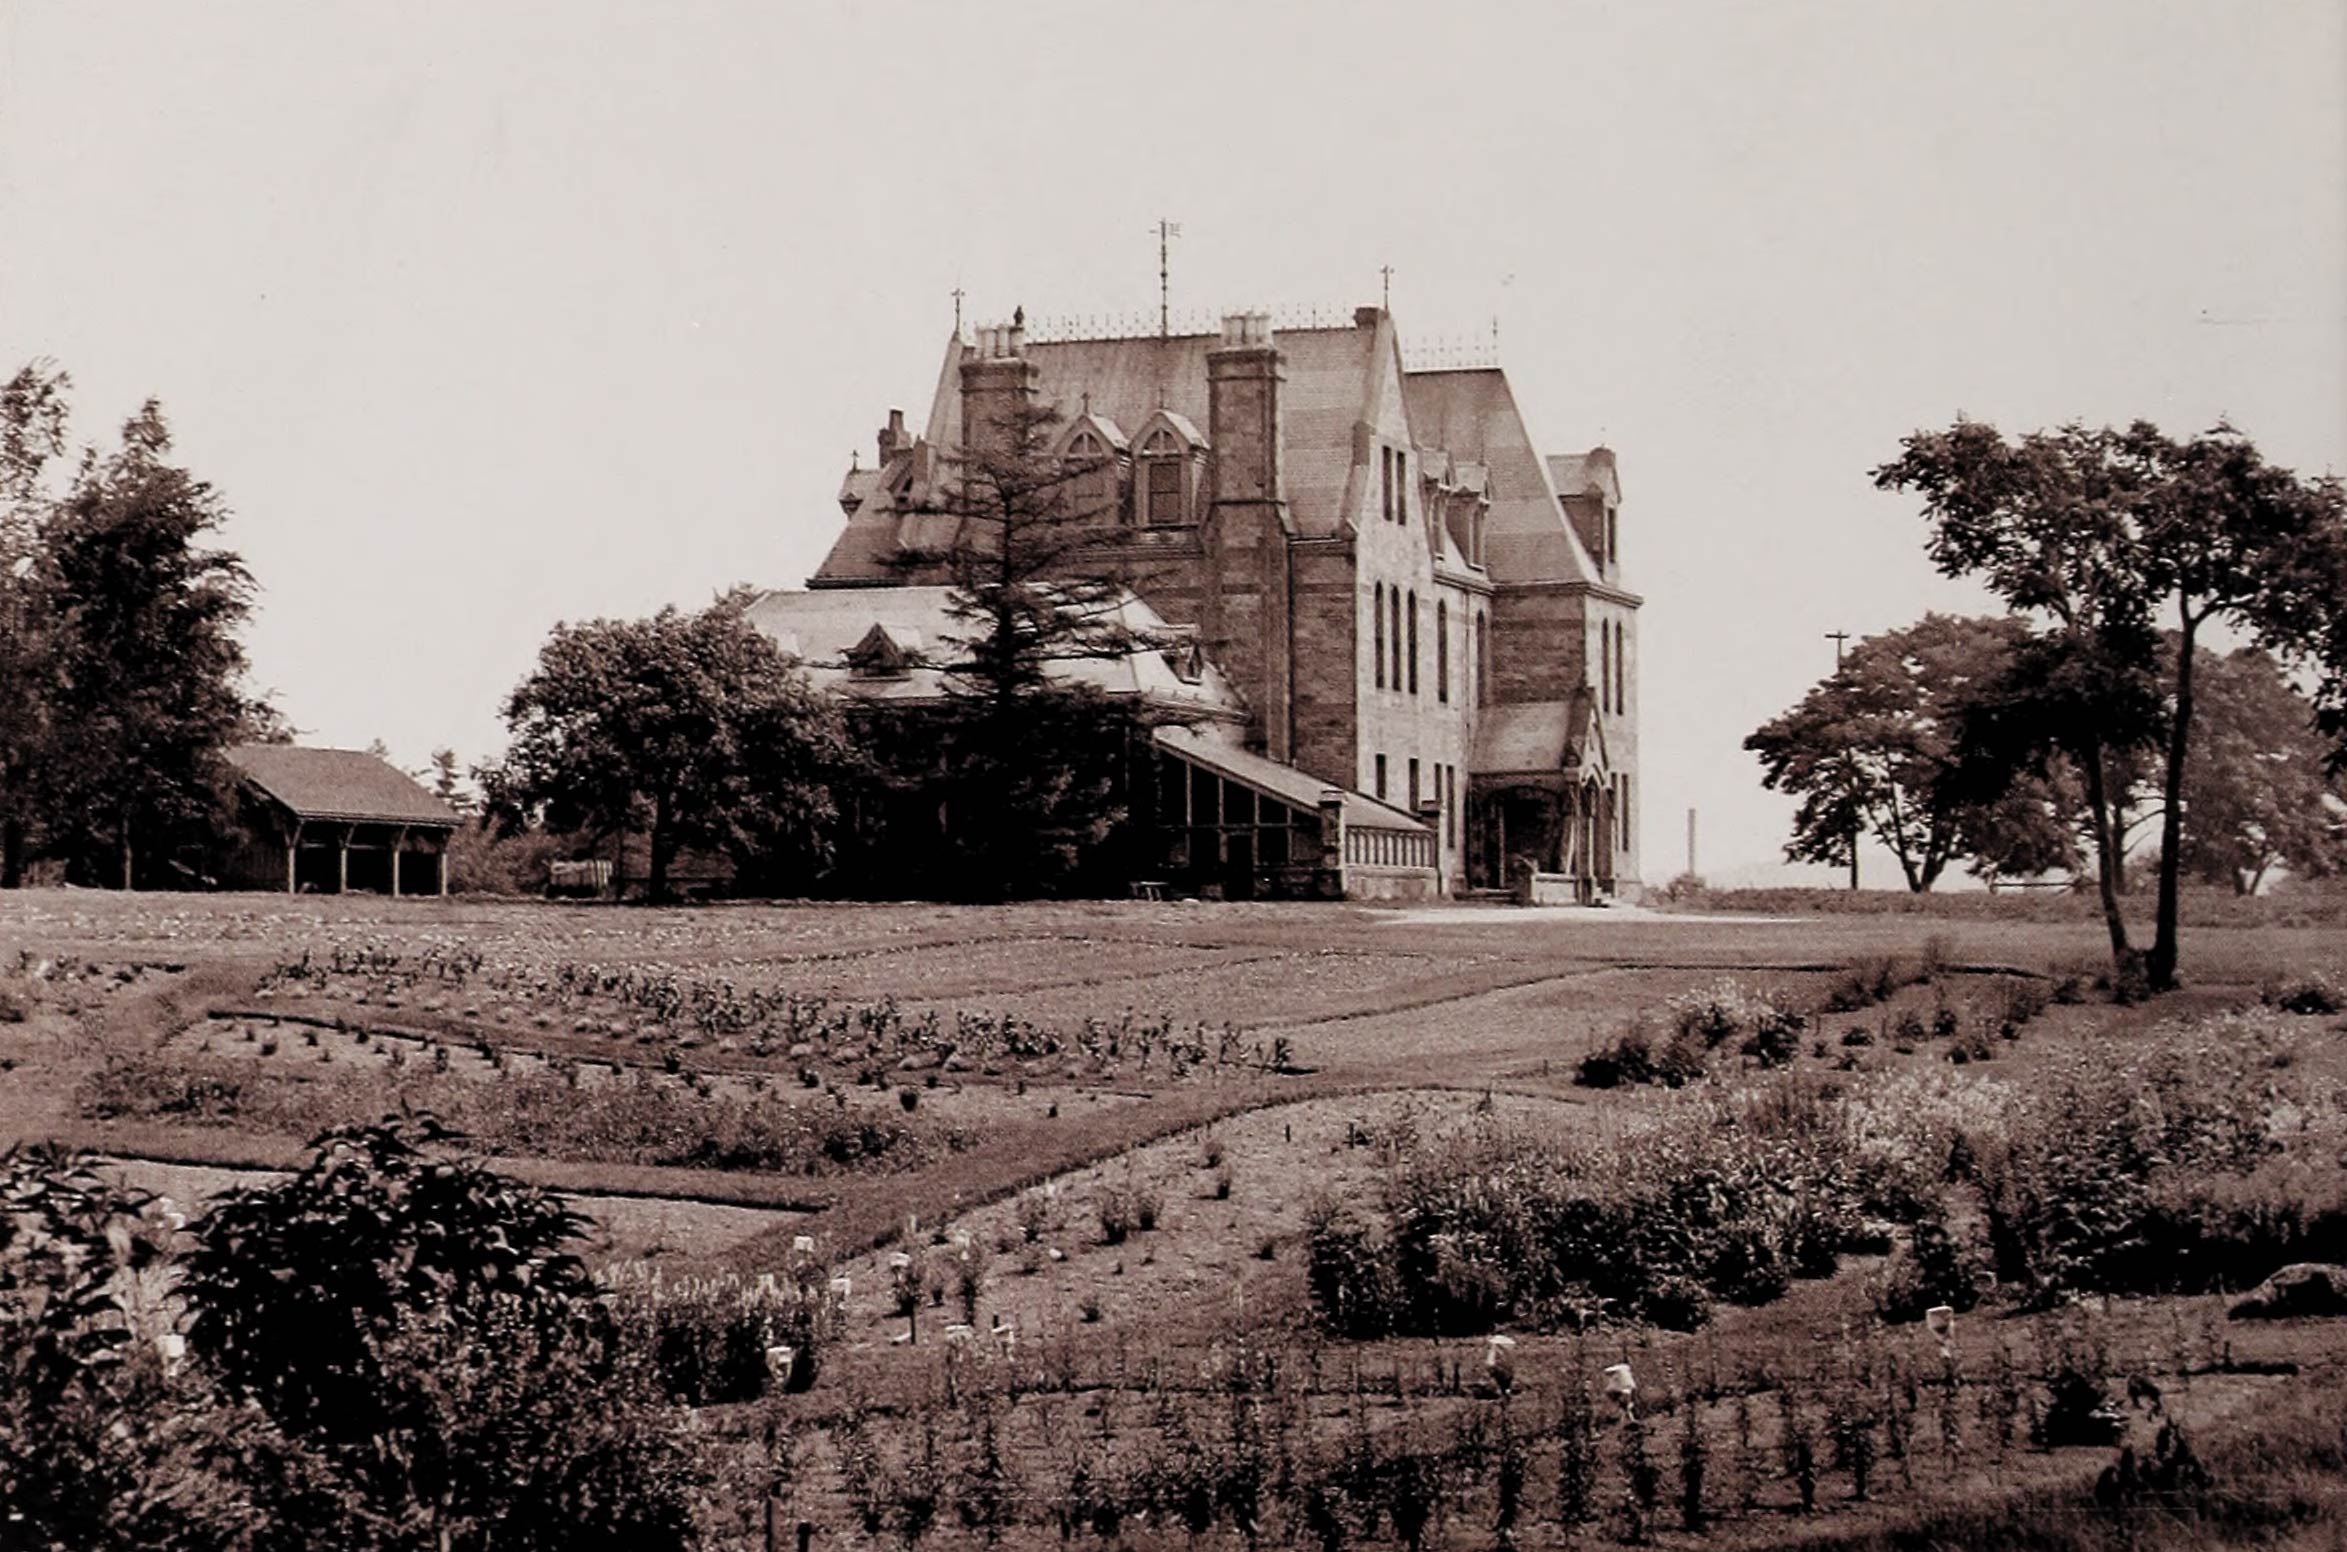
{"x": 1118, "y": 1132}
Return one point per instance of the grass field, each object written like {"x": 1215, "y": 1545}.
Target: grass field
{"x": 985, "y": 1091}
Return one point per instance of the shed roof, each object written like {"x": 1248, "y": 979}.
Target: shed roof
{"x": 345, "y": 784}
{"x": 1290, "y": 785}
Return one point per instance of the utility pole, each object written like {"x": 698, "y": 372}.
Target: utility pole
{"x": 1167, "y": 231}
{"x": 1841, "y": 639}
{"x": 1691, "y": 873}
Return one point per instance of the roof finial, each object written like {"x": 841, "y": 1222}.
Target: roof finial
{"x": 1019, "y": 316}
{"x": 1386, "y": 275}
{"x": 957, "y": 312}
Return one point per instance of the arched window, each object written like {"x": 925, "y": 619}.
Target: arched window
{"x": 1163, "y": 477}
{"x": 1442, "y": 650}
{"x": 1482, "y": 660}
{"x": 1377, "y": 647}
{"x": 1413, "y": 641}
{"x": 1091, "y": 482}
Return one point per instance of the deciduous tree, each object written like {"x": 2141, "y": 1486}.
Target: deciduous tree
{"x": 2255, "y": 793}
{"x": 695, "y": 729}
{"x": 2106, "y": 534}
{"x": 1872, "y": 747}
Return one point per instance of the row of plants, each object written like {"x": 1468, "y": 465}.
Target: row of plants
{"x": 1254, "y": 1438}
{"x": 1760, "y": 1028}
{"x": 637, "y": 1117}
{"x": 657, "y": 1005}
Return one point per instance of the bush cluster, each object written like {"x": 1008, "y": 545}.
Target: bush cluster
{"x": 1700, "y": 1021}
{"x": 2160, "y": 1168}
{"x": 1724, "y": 1197}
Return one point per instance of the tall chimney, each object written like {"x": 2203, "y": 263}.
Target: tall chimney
{"x": 893, "y": 438}
{"x": 996, "y": 378}
{"x": 1245, "y": 618}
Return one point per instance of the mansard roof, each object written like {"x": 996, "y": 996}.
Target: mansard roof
{"x": 1473, "y": 414}
{"x": 1337, "y": 383}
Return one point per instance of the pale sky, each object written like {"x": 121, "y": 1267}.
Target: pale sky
{"x": 488, "y": 316}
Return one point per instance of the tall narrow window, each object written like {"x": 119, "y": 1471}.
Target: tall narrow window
{"x": 1482, "y": 660}
{"x": 1605, "y": 666}
{"x": 1401, "y": 486}
{"x": 1381, "y": 778}
{"x": 1613, "y": 540}
{"x": 1413, "y": 785}
{"x": 1393, "y": 600}
{"x": 1442, "y": 650}
{"x": 1413, "y": 641}
{"x": 1623, "y": 804}
{"x": 1385, "y": 483}
{"x": 1621, "y": 669}
{"x": 1377, "y": 647}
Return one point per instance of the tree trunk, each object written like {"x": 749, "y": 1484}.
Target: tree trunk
{"x": 2162, "y": 965}
{"x": 127, "y": 886}
{"x": 2106, "y": 848}
{"x": 663, "y": 843}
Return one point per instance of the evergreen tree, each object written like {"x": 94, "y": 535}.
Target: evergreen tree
{"x": 1032, "y": 759}
{"x": 143, "y": 619}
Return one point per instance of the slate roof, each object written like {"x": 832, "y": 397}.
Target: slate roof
{"x": 340, "y": 784}
{"x": 823, "y": 626}
{"x": 1538, "y": 736}
{"x": 1473, "y": 414}
{"x": 1284, "y": 782}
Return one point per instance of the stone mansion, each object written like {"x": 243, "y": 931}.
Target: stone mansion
{"x": 1399, "y": 634}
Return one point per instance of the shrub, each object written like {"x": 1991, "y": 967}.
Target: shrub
{"x": 2312, "y": 993}
{"x": 1725, "y": 1196}
{"x": 715, "y": 1339}
{"x": 1870, "y": 980}
{"x": 2104, "y": 1175}
{"x": 1776, "y": 1036}
{"x": 1933, "y": 1268}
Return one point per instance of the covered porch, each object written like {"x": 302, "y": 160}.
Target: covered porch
{"x": 1541, "y": 816}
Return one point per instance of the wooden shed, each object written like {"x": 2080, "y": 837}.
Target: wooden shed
{"x": 332, "y": 821}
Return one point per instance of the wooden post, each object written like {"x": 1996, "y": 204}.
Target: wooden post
{"x": 398, "y": 845}
{"x": 446, "y": 836}
{"x": 293, "y": 851}
{"x": 342, "y": 861}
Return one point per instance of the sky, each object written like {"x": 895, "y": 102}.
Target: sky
{"x": 488, "y": 316}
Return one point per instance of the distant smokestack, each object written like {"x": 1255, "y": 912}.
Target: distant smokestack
{"x": 1690, "y": 840}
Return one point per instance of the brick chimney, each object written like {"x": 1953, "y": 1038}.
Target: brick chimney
{"x": 894, "y": 439}
{"x": 1243, "y": 374}
{"x": 1245, "y": 618}
{"x": 996, "y": 377}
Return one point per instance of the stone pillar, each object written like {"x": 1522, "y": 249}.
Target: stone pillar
{"x": 1332, "y": 836}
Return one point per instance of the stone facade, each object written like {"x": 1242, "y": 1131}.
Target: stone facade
{"x": 1409, "y": 601}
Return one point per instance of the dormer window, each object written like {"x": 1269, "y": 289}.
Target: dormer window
{"x": 1092, "y": 453}
{"x": 1165, "y": 484}
{"x": 885, "y": 652}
